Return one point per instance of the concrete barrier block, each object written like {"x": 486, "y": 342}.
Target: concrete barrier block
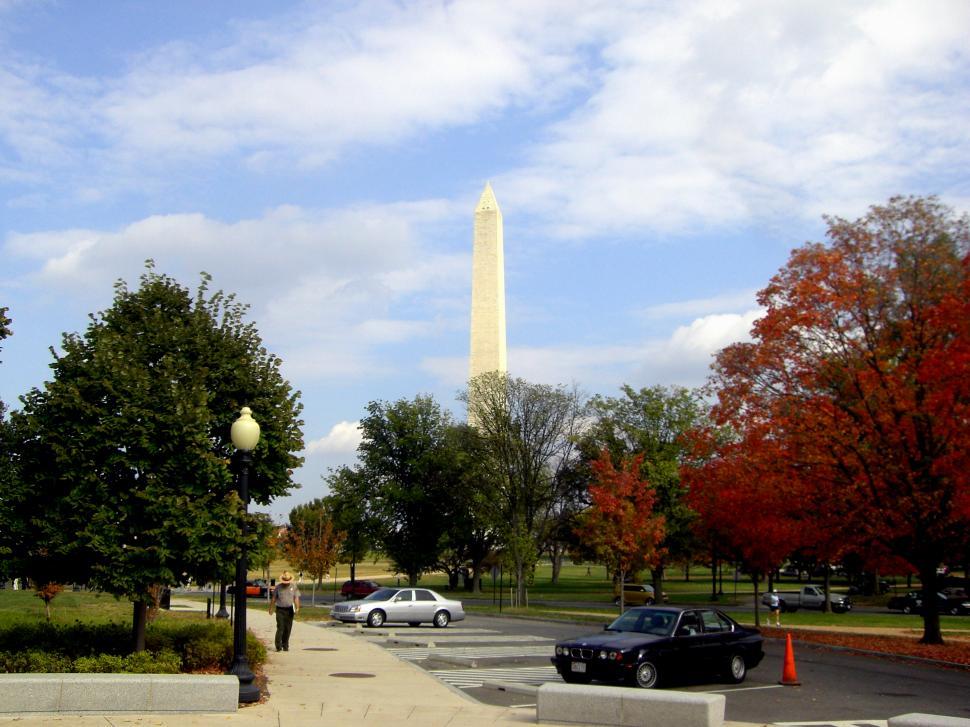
{"x": 30, "y": 693}
{"x": 628, "y": 707}
{"x": 915, "y": 719}
{"x": 683, "y": 709}
{"x": 194, "y": 693}
{"x": 586, "y": 704}
{"x": 105, "y": 693}
{"x": 117, "y": 693}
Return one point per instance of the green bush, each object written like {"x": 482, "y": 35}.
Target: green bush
{"x": 171, "y": 646}
{"x": 34, "y": 661}
{"x": 100, "y": 664}
{"x": 146, "y": 662}
{"x": 204, "y": 655}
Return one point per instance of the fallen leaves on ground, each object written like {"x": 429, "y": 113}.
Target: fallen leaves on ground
{"x": 954, "y": 651}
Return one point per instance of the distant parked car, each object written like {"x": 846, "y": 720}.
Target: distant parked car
{"x": 358, "y": 589}
{"x": 637, "y": 594}
{"x": 646, "y": 645}
{"x": 255, "y": 588}
{"x": 912, "y": 602}
{"x": 412, "y": 606}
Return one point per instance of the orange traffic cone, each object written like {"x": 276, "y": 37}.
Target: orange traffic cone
{"x": 788, "y": 676}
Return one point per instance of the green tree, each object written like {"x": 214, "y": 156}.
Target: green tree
{"x": 126, "y": 451}
{"x": 408, "y": 469}
{"x": 350, "y": 514}
{"x": 528, "y": 432}
{"x": 652, "y": 422}
{"x": 7, "y": 471}
{"x": 470, "y": 534}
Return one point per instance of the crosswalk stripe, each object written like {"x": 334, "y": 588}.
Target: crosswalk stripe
{"x": 473, "y": 678}
{"x": 483, "y": 652}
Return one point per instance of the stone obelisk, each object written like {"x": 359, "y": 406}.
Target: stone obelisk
{"x": 488, "y": 289}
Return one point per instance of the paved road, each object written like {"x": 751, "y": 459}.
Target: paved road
{"x": 837, "y": 687}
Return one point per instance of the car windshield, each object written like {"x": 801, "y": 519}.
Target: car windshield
{"x": 383, "y": 594}
{"x": 645, "y": 621}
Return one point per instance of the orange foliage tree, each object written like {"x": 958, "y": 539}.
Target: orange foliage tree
{"x": 858, "y": 376}
{"x": 620, "y": 526}
{"x": 312, "y": 543}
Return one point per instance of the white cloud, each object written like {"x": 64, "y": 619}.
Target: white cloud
{"x": 733, "y": 301}
{"x": 683, "y": 358}
{"x": 716, "y": 113}
{"x": 328, "y": 288}
{"x": 342, "y": 439}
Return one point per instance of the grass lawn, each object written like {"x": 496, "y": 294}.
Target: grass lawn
{"x": 17, "y": 607}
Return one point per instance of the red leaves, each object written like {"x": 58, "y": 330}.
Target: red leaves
{"x": 853, "y": 397}
{"x": 621, "y": 525}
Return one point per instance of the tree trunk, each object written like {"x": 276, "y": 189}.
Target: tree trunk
{"x": 714, "y": 577}
{"x": 657, "y": 575}
{"x": 826, "y": 588}
{"x": 556, "y": 552}
{"x": 622, "y": 590}
{"x": 931, "y": 612}
{"x": 138, "y": 621}
{"x": 757, "y": 600}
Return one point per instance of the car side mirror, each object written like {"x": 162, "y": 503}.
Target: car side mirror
{"x": 606, "y": 627}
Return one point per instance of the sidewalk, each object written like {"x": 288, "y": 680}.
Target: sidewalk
{"x": 328, "y": 677}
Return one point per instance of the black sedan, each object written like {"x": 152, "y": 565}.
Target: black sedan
{"x": 912, "y": 602}
{"x": 645, "y": 645}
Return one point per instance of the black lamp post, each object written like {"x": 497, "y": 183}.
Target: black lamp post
{"x": 245, "y": 436}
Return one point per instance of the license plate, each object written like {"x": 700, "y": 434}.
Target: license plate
{"x": 578, "y": 666}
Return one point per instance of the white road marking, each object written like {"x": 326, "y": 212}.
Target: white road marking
{"x": 481, "y": 652}
{"x": 474, "y": 678}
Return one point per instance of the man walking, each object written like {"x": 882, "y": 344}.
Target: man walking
{"x": 286, "y": 602}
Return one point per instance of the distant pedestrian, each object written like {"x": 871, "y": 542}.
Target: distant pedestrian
{"x": 774, "y": 607}
{"x": 285, "y": 600}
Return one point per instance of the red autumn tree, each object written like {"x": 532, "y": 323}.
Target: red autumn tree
{"x": 620, "y": 526}
{"x": 859, "y": 373}
{"x": 745, "y": 503}
{"x": 312, "y": 542}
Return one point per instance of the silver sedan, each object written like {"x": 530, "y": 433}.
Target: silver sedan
{"x": 412, "y": 606}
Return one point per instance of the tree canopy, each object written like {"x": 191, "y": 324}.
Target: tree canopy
{"x": 408, "y": 467}
{"x": 856, "y": 384}
{"x": 125, "y": 476}
{"x": 528, "y": 432}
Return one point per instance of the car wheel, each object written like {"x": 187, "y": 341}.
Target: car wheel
{"x": 441, "y": 619}
{"x": 649, "y": 602}
{"x": 646, "y": 675}
{"x": 414, "y": 623}
{"x": 737, "y": 669}
{"x": 955, "y": 611}
{"x": 616, "y": 601}
{"x": 907, "y": 609}
{"x": 375, "y": 618}
{"x": 571, "y": 678}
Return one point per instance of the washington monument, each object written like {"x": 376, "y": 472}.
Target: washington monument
{"x": 488, "y": 289}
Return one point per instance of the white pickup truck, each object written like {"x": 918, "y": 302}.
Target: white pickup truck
{"x": 810, "y": 597}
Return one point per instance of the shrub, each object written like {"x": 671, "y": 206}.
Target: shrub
{"x": 34, "y": 661}
{"x": 145, "y": 662}
{"x": 171, "y": 646}
{"x": 100, "y": 664}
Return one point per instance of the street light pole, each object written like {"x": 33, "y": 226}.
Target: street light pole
{"x": 245, "y": 436}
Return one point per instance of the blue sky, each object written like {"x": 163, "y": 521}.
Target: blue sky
{"x": 655, "y": 163}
